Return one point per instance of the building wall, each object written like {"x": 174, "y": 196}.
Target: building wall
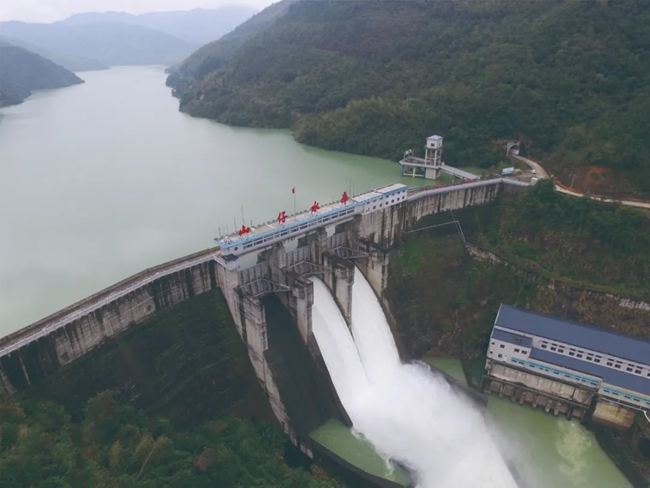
{"x": 503, "y": 351}
{"x": 508, "y": 351}
{"x": 557, "y": 389}
{"x": 612, "y": 414}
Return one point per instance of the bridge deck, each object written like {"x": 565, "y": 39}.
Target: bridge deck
{"x": 466, "y": 175}
{"x": 414, "y": 162}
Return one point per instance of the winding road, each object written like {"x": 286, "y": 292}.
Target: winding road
{"x": 542, "y": 174}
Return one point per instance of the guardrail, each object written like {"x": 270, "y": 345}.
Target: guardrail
{"x": 70, "y": 317}
{"x": 423, "y": 193}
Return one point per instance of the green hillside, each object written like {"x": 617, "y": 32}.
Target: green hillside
{"x": 22, "y": 71}
{"x": 569, "y": 78}
{"x": 212, "y": 56}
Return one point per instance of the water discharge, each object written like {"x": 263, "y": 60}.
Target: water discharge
{"x": 406, "y": 412}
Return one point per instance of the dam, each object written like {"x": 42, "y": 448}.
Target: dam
{"x": 278, "y": 261}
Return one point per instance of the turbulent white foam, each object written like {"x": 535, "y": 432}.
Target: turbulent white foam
{"x": 408, "y": 413}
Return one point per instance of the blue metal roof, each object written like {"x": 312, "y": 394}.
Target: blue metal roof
{"x": 622, "y": 379}
{"x": 573, "y": 333}
{"x": 502, "y": 335}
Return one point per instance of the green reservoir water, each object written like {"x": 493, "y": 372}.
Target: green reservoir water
{"x": 551, "y": 451}
{"x": 102, "y": 180}
{"x": 339, "y": 439}
{"x": 451, "y": 366}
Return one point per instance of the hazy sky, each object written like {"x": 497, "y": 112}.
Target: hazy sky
{"x": 53, "y": 10}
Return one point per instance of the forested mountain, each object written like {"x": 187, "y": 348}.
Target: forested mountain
{"x": 213, "y": 55}
{"x": 22, "y": 71}
{"x": 119, "y": 446}
{"x": 100, "y": 44}
{"x": 195, "y": 26}
{"x": 569, "y": 78}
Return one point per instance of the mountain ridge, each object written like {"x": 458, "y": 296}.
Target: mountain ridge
{"x": 199, "y": 25}
{"x": 111, "y": 43}
{"x": 23, "y": 71}
{"x": 376, "y": 78}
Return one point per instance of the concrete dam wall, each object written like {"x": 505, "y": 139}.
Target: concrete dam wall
{"x": 329, "y": 251}
{"x": 40, "y": 349}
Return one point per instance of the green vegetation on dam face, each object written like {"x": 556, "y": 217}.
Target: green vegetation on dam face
{"x": 187, "y": 363}
{"x": 107, "y": 178}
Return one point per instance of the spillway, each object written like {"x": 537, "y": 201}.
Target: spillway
{"x": 408, "y": 413}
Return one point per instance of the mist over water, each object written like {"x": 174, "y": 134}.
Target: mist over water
{"x": 408, "y": 413}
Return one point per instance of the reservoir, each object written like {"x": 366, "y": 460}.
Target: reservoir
{"x": 102, "y": 180}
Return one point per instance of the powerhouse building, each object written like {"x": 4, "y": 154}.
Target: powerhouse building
{"x": 568, "y": 367}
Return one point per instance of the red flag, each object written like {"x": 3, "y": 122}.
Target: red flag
{"x": 293, "y": 190}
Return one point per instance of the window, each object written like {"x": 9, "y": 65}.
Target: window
{"x": 629, "y": 368}
{"x": 543, "y": 346}
{"x": 500, "y": 355}
{"x": 617, "y": 366}
{"x": 493, "y": 343}
{"x": 502, "y": 346}
{"x": 553, "y": 348}
{"x": 589, "y": 358}
{"x": 516, "y": 350}
{"x": 579, "y": 356}
{"x": 572, "y": 353}
{"x": 609, "y": 363}
{"x": 637, "y": 371}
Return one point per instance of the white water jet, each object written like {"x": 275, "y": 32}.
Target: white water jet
{"x": 405, "y": 411}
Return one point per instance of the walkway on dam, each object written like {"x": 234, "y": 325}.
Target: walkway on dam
{"x": 415, "y": 162}
{"x": 88, "y": 305}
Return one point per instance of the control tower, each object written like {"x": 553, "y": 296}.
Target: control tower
{"x": 429, "y": 167}
{"x": 433, "y": 151}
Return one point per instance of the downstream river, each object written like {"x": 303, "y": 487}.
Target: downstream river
{"x": 102, "y": 180}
